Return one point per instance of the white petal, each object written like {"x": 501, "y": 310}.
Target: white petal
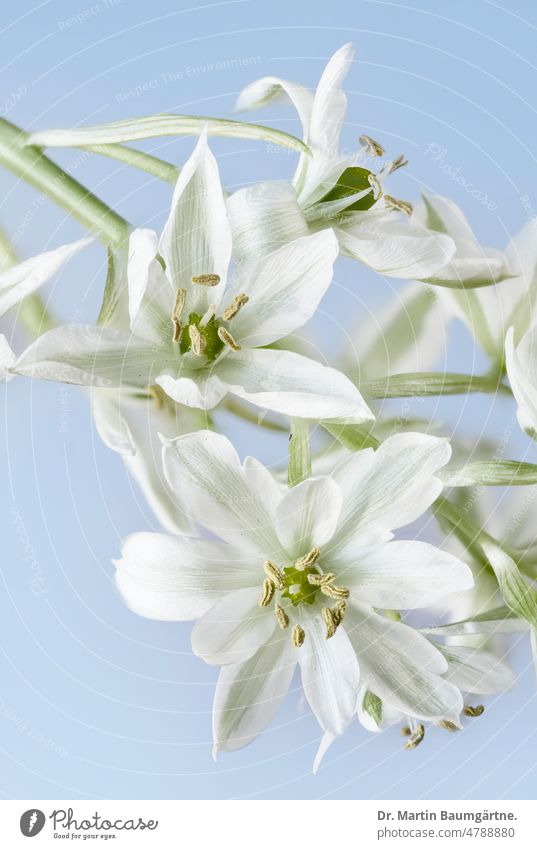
{"x": 90, "y": 356}
{"x": 249, "y": 694}
{"x": 392, "y": 486}
{"x": 294, "y": 385}
{"x": 397, "y": 248}
{"x": 108, "y": 408}
{"x": 405, "y": 574}
{"x": 7, "y": 359}
{"x": 326, "y": 741}
{"x": 234, "y": 628}
{"x": 28, "y": 276}
{"x": 521, "y": 363}
{"x": 197, "y": 238}
{"x": 473, "y": 670}
{"x": 267, "y": 89}
{"x": 263, "y": 218}
{"x": 201, "y": 389}
{"x": 284, "y": 288}
{"x": 223, "y": 496}
{"x": 307, "y": 515}
{"x": 330, "y": 674}
{"x": 178, "y": 578}
{"x": 408, "y": 335}
{"x": 401, "y": 666}
{"x": 151, "y": 295}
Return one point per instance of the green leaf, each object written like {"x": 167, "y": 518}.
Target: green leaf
{"x": 164, "y": 124}
{"x": 500, "y": 620}
{"x": 350, "y": 182}
{"x": 352, "y": 437}
{"x": 116, "y": 283}
{"x": 419, "y": 384}
{"x": 491, "y": 473}
{"x": 299, "y": 452}
{"x": 137, "y": 159}
{"x": 372, "y": 705}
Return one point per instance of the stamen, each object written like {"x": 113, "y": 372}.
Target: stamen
{"x": 375, "y": 185}
{"x": 197, "y": 341}
{"x": 394, "y": 165}
{"x": 339, "y": 593}
{"x": 206, "y": 280}
{"x": 309, "y": 559}
{"x": 226, "y": 337}
{"x": 208, "y": 315}
{"x": 473, "y": 711}
{"x": 373, "y": 148}
{"x": 321, "y": 580}
{"x": 282, "y": 617}
{"x": 298, "y": 636}
{"x": 268, "y": 592}
{"x": 399, "y": 205}
{"x": 272, "y": 572}
{"x": 331, "y": 625}
{"x": 338, "y": 612}
{"x": 236, "y": 304}
{"x": 405, "y": 731}
{"x": 176, "y": 314}
{"x": 449, "y": 726}
{"x": 415, "y": 738}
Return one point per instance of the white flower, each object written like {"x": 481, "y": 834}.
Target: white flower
{"x": 296, "y": 576}
{"x": 332, "y": 189}
{"x": 197, "y": 338}
{"x": 521, "y": 364}
{"x": 471, "y": 670}
{"x": 489, "y": 309}
{"x": 26, "y": 277}
{"x": 129, "y": 423}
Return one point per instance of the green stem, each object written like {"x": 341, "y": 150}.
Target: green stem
{"x": 238, "y": 409}
{"x": 31, "y": 165}
{"x": 32, "y": 312}
{"x": 137, "y": 159}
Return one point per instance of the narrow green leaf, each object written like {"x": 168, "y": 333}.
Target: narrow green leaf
{"x": 137, "y": 159}
{"x": 419, "y": 384}
{"x": 500, "y": 620}
{"x": 351, "y": 436}
{"x": 491, "y": 473}
{"x": 299, "y": 452}
{"x": 164, "y": 124}
{"x": 372, "y": 705}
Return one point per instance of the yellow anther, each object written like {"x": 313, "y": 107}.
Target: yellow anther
{"x": 268, "y": 593}
{"x": 375, "y": 185}
{"x": 473, "y": 711}
{"x": 329, "y": 621}
{"x": 228, "y": 340}
{"x": 272, "y": 572}
{"x": 373, "y": 148}
{"x": 158, "y": 395}
{"x": 176, "y": 314}
{"x": 206, "y": 280}
{"x": 449, "y": 726}
{"x": 237, "y": 303}
{"x": 405, "y": 731}
{"x": 399, "y": 205}
{"x": 298, "y": 636}
{"x": 309, "y": 559}
{"x": 415, "y": 738}
{"x": 197, "y": 342}
{"x": 338, "y": 612}
{"x": 394, "y": 165}
{"x": 338, "y": 593}
{"x": 282, "y": 617}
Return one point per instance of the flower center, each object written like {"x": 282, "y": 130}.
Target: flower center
{"x": 300, "y": 583}
{"x": 205, "y": 335}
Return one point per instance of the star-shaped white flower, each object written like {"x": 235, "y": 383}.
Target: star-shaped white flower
{"x": 333, "y": 189}
{"x": 297, "y": 576}
{"x": 197, "y": 336}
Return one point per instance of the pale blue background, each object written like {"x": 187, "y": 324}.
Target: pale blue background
{"x": 95, "y": 701}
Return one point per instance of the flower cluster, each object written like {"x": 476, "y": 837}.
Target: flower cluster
{"x": 317, "y": 572}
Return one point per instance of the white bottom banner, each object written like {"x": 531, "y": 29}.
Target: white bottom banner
{"x": 267, "y": 824}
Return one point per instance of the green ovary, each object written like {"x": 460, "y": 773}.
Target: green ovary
{"x": 297, "y": 587}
